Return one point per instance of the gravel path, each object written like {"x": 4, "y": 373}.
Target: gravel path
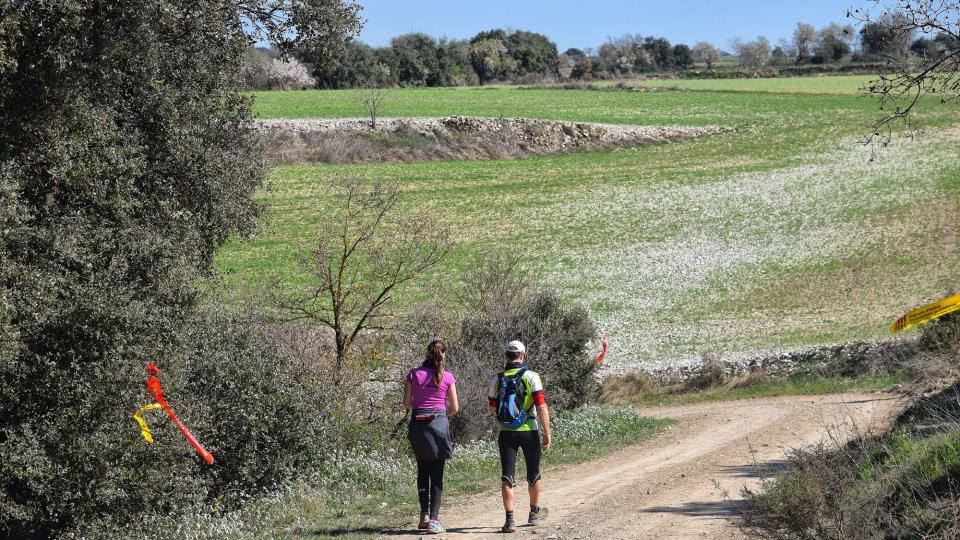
{"x": 667, "y": 488}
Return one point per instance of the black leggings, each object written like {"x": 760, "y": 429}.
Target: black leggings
{"x": 509, "y": 442}
{"x": 430, "y": 485}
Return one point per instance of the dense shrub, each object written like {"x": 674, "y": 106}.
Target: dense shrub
{"x": 263, "y": 411}
{"x": 127, "y": 157}
{"x": 504, "y": 304}
{"x": 266, "y": 413}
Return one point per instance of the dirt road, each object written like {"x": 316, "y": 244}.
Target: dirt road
{"x": 684, "y": 483}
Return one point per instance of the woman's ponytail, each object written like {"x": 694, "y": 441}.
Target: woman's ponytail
{"x": 434, "y": 359}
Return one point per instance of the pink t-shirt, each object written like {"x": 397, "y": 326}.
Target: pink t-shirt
{"x": 425, "y": 393}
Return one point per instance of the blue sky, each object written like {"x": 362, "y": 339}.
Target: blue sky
{"x": 588, "y": 23}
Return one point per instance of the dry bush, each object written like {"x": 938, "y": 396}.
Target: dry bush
{"x": 711, "y": 375}
{"x": 813, "y": 499}
{"x": 629, "y": 387}
{"x": 398, "y": 146}
{"x": 284, "y": 146}
{"x": 748, "y": 379}
{"x": 503, "y": 304}
{"x": 536, "y": 79}
{"x": 936, "y": 363}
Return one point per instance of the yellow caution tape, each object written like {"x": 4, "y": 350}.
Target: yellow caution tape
{"x": 926, "y": 313}
{"x": 144, "y": 428}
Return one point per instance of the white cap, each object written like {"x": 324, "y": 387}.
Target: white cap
{"x": 516, "y": 347}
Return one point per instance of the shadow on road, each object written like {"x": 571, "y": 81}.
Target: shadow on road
{"x": 765, "y": 469}
{"x": 700, "y": 509}
{"x": 334, "y": 532}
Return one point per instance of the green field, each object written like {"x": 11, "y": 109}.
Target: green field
{"x": 781, "y": 233}
{"x": 826, "y": 85}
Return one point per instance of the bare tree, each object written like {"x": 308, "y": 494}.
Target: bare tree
{"x": 373, "y": 95}
{"x": 803, "y": 40}
{"x": 362, "y": 261}
{"x": 707, "y": 54}
{"x": 752, "y": 54}
{"x": 938, "y": 72}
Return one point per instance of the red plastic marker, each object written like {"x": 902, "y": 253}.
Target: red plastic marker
{"x": 604, "y": 351}
{"x": 153, "y": 386}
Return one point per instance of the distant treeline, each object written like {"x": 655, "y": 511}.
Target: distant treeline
{"x": 524, "y": 57}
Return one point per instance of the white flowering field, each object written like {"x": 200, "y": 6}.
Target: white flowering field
{"x": 782, "y": 233}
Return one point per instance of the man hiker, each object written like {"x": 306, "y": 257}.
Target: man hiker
{"x": 516, "y": 399}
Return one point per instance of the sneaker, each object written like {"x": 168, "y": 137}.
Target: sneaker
{"x": 424, "y": 521}
{"x": 537, "y": 518}
{"x": 509, "y": 526}
{"x": 435, "y": 527}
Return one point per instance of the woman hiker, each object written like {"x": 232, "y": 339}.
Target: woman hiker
{"x": 431, "y": 392}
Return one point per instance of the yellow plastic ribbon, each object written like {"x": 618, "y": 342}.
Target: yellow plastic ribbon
{"x": 144, "y": 428}
{"x": 926, "y": 313}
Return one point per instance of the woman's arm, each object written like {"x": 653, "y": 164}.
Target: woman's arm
{"x": 453, "y": 405}
{"x": 407, "y": 395}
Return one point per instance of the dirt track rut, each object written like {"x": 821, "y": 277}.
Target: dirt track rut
{"x": 684, "y": 483}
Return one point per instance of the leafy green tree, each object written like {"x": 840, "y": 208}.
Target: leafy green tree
{"x": 355, "y": 66}
{"x": 453, "y": 58}
{"x": 660, "y": 51}
{"x": 920, "y": 46}
{"x": 533, "y": 53}
{"x": 887, "y": 37}
{"x": 490, "y": 60}
{"x": 497, "y": 34}
{"x": 682, "y": 56}
{"x": 416, "y": 59}
{"x": 946, "y": 41}
{"x": 127, "y": 157}
{"x": 387, "y": 66}
{"x": 833, "y": 42}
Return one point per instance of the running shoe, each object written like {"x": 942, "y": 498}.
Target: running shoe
{"x": 435, "y": 527}
{"x": 509, "y": 526}
{"x": 424, "y": 521}
{"x": 537, "y": 518}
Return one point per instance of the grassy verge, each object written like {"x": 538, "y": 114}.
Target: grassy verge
{"x": 375, "y": 493}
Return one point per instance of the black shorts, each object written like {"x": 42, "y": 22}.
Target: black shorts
{"x": 509, "y": 442}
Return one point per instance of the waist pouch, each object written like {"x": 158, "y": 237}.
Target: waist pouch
{"x": 427, "y": 415}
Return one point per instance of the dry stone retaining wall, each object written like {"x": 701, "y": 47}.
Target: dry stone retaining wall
{"x": 535, "y": 135}
{"x": 850, "y": 359}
